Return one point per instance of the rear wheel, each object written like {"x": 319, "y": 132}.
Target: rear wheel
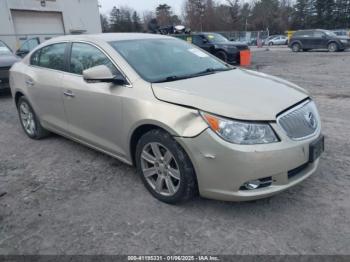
{"x": 165, "y": 168}
{"x": 29, "y": 121}
{"x": 271, "y": 44}
{"x": 296, "y": 47}
{"x": 332, "y": 47}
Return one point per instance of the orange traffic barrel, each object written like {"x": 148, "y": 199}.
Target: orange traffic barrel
{"x": 245, "y": 58}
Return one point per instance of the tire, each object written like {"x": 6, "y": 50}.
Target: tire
{"x": 168, "y": 177}
{"x": 333, "y": 47}
{"x": 222, "y": 55}
{"x": 29, "y": 120}
{"x": 296, "y": 47}
{"x": 306, "y": 50}
{"x": 271, "y": 44}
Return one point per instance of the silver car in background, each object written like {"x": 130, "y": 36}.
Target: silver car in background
{"x": 277, "y": 40}
{"x": 189, "y": 122}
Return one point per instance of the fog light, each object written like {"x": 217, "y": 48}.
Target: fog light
{"x": 251, "y": 185}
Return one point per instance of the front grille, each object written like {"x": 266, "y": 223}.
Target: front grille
{"x": 301, "y": 121}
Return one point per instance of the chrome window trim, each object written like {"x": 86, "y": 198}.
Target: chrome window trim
{"x": 294, "y": 109}
{"x": 129, "y": 85}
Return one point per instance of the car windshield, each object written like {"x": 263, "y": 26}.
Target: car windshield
{"x": 164, "y": 60}
{"x": 4, "y": 50}
{"x": 216, "y": 38}
{"x": 330, "y": 33}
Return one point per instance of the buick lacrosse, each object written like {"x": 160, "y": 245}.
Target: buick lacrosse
{"x": 189, "y": 122}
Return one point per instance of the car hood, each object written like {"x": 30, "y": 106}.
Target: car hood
{"x": 238, "y": 94}
{"x": 8, "y": 60}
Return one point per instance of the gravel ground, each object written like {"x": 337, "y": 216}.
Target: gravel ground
{"x": 58, "y": 197}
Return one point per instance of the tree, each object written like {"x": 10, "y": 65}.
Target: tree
{"x": 136, "y": 22}
{"x": 120, "y": 20}
{"x": 234, "y": 10}
{"x": 104, "y": 23}
{"x": 164, "y": 15}
{"x": 194, "y": 13}
{"x": 303, "y": 11}
{"x": 265, "y": 16}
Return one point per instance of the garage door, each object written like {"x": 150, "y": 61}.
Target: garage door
{"x": 37, "y": 23}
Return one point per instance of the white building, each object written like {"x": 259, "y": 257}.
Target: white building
{"x": 24, "y": 19}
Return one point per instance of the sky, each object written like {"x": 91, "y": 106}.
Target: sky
{"x": 140, "y": 5}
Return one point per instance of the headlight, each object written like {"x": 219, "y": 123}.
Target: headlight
{"x": 344, "y": 41}
{"x": 239, "y": 132}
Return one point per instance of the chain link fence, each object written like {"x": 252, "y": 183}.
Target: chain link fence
{"x": 252, "y": 38}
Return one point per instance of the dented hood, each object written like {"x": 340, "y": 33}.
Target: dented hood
{"x": 238, "y": 93}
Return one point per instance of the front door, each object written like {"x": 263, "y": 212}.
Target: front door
{"x": 94, "y": 110}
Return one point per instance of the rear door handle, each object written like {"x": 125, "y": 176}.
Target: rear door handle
{"x": 29, "y": 82}
{"x": 69, "y": 93}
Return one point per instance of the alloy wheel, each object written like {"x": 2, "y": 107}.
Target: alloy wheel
{"x": 160, "y": 169}
{"x": 27, "y": 118}
{"x": 296, "y": 48}
{"x": 332, "y": 47}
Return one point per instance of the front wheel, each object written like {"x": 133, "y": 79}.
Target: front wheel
{"x": 222, "y": 55}
{"x": 165, "y": 168}
{"x": 29, "y": 121}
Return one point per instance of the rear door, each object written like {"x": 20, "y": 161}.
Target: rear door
{"x": 306, "y": 38}
{"x": 44, "y": 83}
{"x": 94, "y": 110}
{"x": 320, "y": 40}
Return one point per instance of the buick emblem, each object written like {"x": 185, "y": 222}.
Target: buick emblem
{"x": 311, "y": 120}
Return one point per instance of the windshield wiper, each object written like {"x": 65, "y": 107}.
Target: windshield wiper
{"x": 170, "y": 79}
{"x": 207, "y": 71}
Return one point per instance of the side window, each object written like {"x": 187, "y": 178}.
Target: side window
{"x": 318, "y": 34}
{"x": 52, "y": 56}
{"x": 197, "y": 40}
{"x": 308, "y": 34}
{"x": 85, "y": 56}
{"x": 34, "y": 60}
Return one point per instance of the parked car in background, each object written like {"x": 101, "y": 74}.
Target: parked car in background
{"x": 305, "y": 40}
{"x": 7, "y": 59}
{"x": 218, "y": 45}
{"x": 28, "y": 46}
{"x": 188, "y": 121}
{"x": 344, "y": 36}
{"x": 276, "y": 40}
{"x": 266, "y": 40}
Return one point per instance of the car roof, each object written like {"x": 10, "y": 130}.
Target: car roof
{"x": 108, "y": 37}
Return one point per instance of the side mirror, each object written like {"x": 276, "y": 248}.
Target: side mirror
{"x": 103, "y": 74}
{"x": 22, "y": 53}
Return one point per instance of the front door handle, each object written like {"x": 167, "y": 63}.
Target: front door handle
{"x": 69, "y": 93}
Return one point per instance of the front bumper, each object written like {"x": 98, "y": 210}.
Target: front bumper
{"x": 222, "y": 168}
